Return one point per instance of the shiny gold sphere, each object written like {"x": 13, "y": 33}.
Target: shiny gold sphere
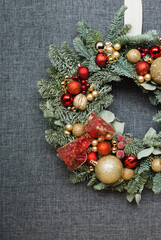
{"x": 69, "y": 127}
{"x": 108, "y": 169}
{"x": 117, "y": 46}
{"x": 111, "y": 59}
{"x": 155, "y": 70}
{"x": 140, "y": 79}
{"x": 114, "y": 142}
{"x": 91, "y": 88}
{"x": 94, "y": 142}
{"x": 114, "y": 150}
{"x": 99, "y": 45}
{"x": 159, "y": 39}
{"x": 147, "y": 77}
{"x": 90, "y": 97}
{"x": 67, "y": 77}
{"x": 156, "y": 165}
{"x": 63, "y": 83}
{"x": 100, "y": 139}
{"x": 95, "y": 93}
{"x": 150, "y": 60}
{"x": 133, "y": 56}
{"x": 108, "y": 136}
{"x": 116, "y": 54}
{"x": 67, "y": 132}
{"x": 94, "y": 149}
{"x": 127, "y": 173}
{"x": 109, "y": 49}
{"x": 78, "y": 130}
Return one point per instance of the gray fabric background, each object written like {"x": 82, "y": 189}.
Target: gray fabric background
{"x": 37, "y": 200}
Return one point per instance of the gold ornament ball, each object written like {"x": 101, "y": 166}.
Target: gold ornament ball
{"x": 147, "y": 77}
{"x": 108, "y": 169}
{"x": 114, "y": 142}
{"x": 111, "y": 59}
{"x": 99, "y": 45}
{"x": 69, "y": 127}
{"x": 117, "y": 46}
{"x": 95, "y": 93}
{"x": 67, "y": 132}
{"x": 155, "y": 70}
{"x": 109, "y": 49}
{"x": 133, "y": 56}
{"x": 114, "y": 150}
{"x": 156, "y": 165}
{"x": 140, "y": 79}
{"x": 116, "y": 54}
{"x": 94, "y": 142}
{"x": 67, "y": 77}
{"x": 91, "y": 88}
{"x": 100, "y": 139}
{"x": 108, "y": 136}
{"x": 127, "y": 173}
{"x": 78, "y": 130}
{"x": 159, "y": 39}
{"x": 90, "y": 97}
{"x": 80, "y": 102}
{"x": 94, "y": 149}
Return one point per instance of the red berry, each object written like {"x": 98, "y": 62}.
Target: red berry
{"x": 139, "y": 49}
{"x": 83, "y": 81}
{"x": 87, "y": 85}
{"x": 146, "y": 50}
{"x": 84, "y": 92}
{"x": 143, "y": 54}
{"x": 75, "y": 77}
{"x": 83, "y": 87}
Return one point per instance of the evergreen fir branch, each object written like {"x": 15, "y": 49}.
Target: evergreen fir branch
{"x": 115, "y": 24}
{"x": 47, "y": 89}
{"x": 83, "y": 29}
{"x": 152, "y": 99}
{"x": 59, "y": 62}
{"x": 120, "y": 186}
{"x": 137, "y": 183}
{"x": 123, "y": 67}
{"x": 157, "y": 117}
{"x": 134, "y": 147}
{"x": 157, "y": 183}
{"x": 145, "y": 165}
{"x": 90, "y": 63}
{"x": 100, "y": 186}
{"x": 79, "y": 175}
{"x": 93, "y": 37}
{"x": 92, "y": 181}
{"x": 124, "y": 30}
{"x": 80, "y": 48}
{"x": 153, "y": 141}
{"x": 157, "y": 94}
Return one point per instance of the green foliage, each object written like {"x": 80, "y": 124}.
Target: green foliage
{"x": 94, "y": 37}
{"x": 145, "y": 165}
{"x": 80, "y": 48}
{"x": 80, "y": 174}
{"x": 124, "y": 30}
{"x": 100, "y": 186}
{"x": 137, "y": 183}
{"x": 157, "y": 183}
{"x": 83, "y": 30}
{"x": 153, "y": 141}
{"x": 92, "y": 181}
{"x": 157, "y": 117}
{"x": 134, "y": 147}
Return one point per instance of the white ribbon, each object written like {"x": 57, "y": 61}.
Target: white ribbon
{"x": 133, "y": 16}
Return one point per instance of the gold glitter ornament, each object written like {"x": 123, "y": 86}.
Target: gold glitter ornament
{"x": 108, "y": 169}
{"x": 133, "y": 56}
{"x": 156, "y": 165}
{"x": 155, "y": 70}
{"x": 78, "y": 130}
{"x": 127, "y": 173}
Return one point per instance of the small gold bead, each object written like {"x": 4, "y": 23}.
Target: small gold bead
{"x": 91, "y": 88}
{"x": 117, "y": 46}
{"x": 108, "y": 136}
{"x": 116, "y": 54}
{"x": 69, "y": 108}
{"x": 67, "y": 77}
{"x": 114, "y": 142}
{"x": 63, "y": 83}
{"x": 94, "y": 149}
{"x": 67, "y": 132}
{"x": 108, "y": 43}
{"x": 100, "y": 139}
{"x": 94, "y": 142}
{"x": 109, "y": 49}
{"x": 90, "y": 97}
{"x": 150, "y": 60}
{"x": 140, "y": 79}
{"x": 91, "y": 168}
{"x": 95, "y": 93}
{"x": 68, "y": 127}
{"x": 159, "y": 39}
{"x": 114, "y": 150}
{"x": 111, "y": 59}
{"x": 147, "y": 77}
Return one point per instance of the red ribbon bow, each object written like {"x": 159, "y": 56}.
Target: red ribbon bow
{"x": 71, "y": 153}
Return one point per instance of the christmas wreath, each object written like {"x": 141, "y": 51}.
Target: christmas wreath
{"x": 89, "y": 138}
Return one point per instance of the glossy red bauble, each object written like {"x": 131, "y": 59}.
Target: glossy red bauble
{"x": 101, "y": 59}
{"x": 75, "y": 77}
{"x": 91, "y": 156}
{"x": 67, "y": 99}
{"x": 155, "y": 51}
{"x": 142, "y": 68}
{"x": 131, "y": 162}
{"x": 83, "y": 72}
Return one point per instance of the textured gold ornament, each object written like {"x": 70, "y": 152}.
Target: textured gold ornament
{"x": 155, "y": 70}
{"x": 80, "y": 102}
{"x": 108, "y": 169}
{"x": 156, "y": 165}
{"x": 68, "y": 127}
{"x": 78, "y": 130}
{"x": 133, "y": 56}
{"x": 127, "y": 173}
{"x": 117, "y": 46}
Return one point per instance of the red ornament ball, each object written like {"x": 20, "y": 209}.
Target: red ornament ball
{"x": 131, "y": 162}
{"x": 155, "y": 51}
{"x": 75, "y": 77}
{"x": 101, "y": 59}
{"x": 67, "y": 99}
{"x": 74, "y": 87}
{"x": 142, "y": 68}
{"x": 91, "y": 156}
{"x": 104, "y": 148}
{"x": 83, "y": 72}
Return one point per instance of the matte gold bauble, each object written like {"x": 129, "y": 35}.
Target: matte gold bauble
{"x": 80, "y": 102}
{"x": 127, "y": 173}
{"x": 156, "y": 165}
{"x": 90, "y": 97}
{"x": 133, "y": 56}
{"x": 78, "y": 130}
{"x": 108, "y": 169}
{"x": 155, "y": 70}
{"x": 117, "y": 46}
